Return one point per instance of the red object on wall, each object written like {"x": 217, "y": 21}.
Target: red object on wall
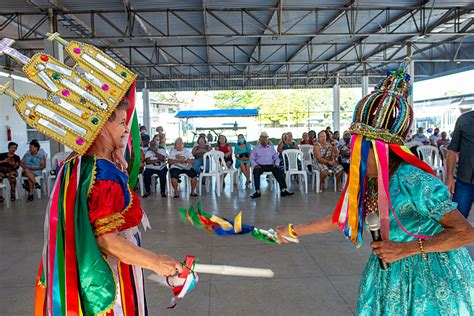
{"x": 9, "y": 134}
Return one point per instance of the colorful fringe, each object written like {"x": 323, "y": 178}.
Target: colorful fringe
{"x": 132, "y": 154}
{"x": 73, "y": 278}
{"x": 222, "y": 226}
{"x": 349, "y": 213}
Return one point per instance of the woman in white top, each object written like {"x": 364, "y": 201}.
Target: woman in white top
{"x": 155, "y": 163}
{"x": 181, "y": 161}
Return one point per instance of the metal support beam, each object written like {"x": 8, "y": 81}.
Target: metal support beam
{"x": 146, "y": 106}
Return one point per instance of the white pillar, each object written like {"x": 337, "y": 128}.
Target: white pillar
{"x": 146, "y": 107}
{"x": 336, "y": 99}
{"x": 365, "y": 85}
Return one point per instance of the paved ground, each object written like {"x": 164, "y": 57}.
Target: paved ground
{"x": 319, "y": 276}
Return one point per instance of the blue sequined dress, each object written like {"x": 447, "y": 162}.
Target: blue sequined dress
{"x": 441, "y": 285}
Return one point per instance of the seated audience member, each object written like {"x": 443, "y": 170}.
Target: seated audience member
{"x": 435, "y": 137}
{"x": 304, "y": 139}
{"x": 345, "y": 151}
{"x": 33, "y": 163}
{"x": 198, "y": 152}
{"x": 325, "y": 156}
{"x": 181, "y": 162}
{"x": 9, "y": 164}
{"x": 155, "y": 163}
{"x": 335, "y": 136}
{"x": 162, "y": 136}
{"x": 311, "y": 137}
{"x": 242, "y": 155}
{"x": 443, "y": 140}
{"x": 145, "y": 142}
{"x": 420, "y": 137}
{"x": 226, "y": 148}
{"x": 143, "y": 130}
{"x": 264, "y": 158}
{"x": 286, "y": 143}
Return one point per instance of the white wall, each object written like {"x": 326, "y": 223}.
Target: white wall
{"x": 9, "y": 116}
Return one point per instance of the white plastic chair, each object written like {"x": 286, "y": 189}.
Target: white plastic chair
{"x": 41, "y": 180}
{"x": 306, "y": 161}
{"x": 290, "y": 161}
{"x": 5, "y": 187}
{"x": 223, "y": 169}
{"x": 57, "y": 159}
{"x": 211, "y": 169}
{"x": 430, "y": 155}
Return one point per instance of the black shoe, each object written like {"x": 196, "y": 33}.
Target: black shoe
{"x": 176, "y": 196}
{"x": 163, "y": 195}
{"x": 194, "y": 195}
{"x": 147, "y": 194}
{"x": 179, "y": 179}
{"x": 255, "y": 195}
{"x": 286, "y": 193}
{"x": 30, "y": 198}
{"x": 37, "y": 186}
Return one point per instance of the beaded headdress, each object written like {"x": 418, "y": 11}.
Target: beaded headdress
{"x": 381, "y": 122}
{"x": 81, "y": 98}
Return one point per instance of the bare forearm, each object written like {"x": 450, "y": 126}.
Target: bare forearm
{"x": 122, "y": 249}
{"x": 319, "y": 226}
{"x": 451, "y": 162}
{"x": 448, "y": 239}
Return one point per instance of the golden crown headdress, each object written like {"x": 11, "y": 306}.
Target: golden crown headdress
{"x": 81, "y": 98}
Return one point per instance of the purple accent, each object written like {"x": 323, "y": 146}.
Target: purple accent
{"x": 80, "y": 141}
{"x": 66, "y": 93}
{"x": 105, "y": 87}
{"x": 77, "y": 50}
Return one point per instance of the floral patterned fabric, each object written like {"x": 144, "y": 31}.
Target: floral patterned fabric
{"x": 441, "y": 285}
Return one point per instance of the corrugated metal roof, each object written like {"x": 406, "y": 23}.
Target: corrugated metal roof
{"x": 218, "y": 44}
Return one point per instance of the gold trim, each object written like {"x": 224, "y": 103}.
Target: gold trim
{"x": 109, "y": 227}
{"x": 375, "y": 133}
{"x": 93, "y": 176}
{"x": 107, "y": 219}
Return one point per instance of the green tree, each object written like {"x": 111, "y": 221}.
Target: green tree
{"x": 235, "y": 99}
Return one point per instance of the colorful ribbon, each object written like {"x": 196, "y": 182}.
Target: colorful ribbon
{"x": 224, "y": 227}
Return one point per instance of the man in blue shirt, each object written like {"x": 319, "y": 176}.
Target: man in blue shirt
{"x": 264, "y": 158}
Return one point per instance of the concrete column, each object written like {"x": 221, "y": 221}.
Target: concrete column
{"x": 336, "y": 99}
{"x": 365, "y": 85}
{"x": 146, "y": 107}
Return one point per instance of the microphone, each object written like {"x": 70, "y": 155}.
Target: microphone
{"x": 373, "y": 223}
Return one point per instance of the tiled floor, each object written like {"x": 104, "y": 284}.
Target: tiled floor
{"x": 319, "y": 276}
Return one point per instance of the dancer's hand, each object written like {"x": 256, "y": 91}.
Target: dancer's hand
{"x": 390, "y": 251}
{"x": 282, "y": 231}
{"x": 167, "y": 266}
{"x": 450, "y": 184}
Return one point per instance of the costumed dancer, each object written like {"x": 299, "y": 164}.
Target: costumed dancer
{"x": 92, "y": 257}
{"x": 422, "y": 232}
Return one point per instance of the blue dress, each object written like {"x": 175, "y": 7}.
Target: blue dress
{"x": 443, "y": 284}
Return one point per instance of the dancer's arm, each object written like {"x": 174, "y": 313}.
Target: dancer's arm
{"x": 457, "y": 233}
{"x": 319, "y": 226}
{"x": 118, "y": 247}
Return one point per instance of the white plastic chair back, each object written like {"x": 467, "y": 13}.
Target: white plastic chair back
{"x": 58, "y": 158}
{"x": 290, "y": 159}
{"x": 306, "y": 150}
{"x": 428, "y": 154}
{"x": 210, "y": 164}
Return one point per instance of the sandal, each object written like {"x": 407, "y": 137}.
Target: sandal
{"x": 194, "y": 195}
{"x": 176, "y": 196}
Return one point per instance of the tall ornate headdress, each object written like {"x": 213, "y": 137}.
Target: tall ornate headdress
{"x": 81, "y": 98}
{"x": 381, "y": 120}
